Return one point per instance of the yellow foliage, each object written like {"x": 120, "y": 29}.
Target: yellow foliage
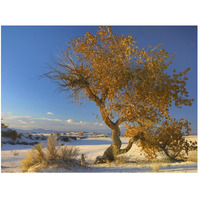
{"x": 128, "y": 84}
{"x": 117, "y": 74}
{"x": 167, "y": 137}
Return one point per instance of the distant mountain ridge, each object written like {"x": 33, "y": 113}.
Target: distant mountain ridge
{"x": 38, "y": 130}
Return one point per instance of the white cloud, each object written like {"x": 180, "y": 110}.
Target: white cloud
{"x": 21, "y": 121}
{"x": 50, "y": 113}
{"x": 28, "y": 123}
{"x": 48, "y": 119}
{"x": 69, "y": 121}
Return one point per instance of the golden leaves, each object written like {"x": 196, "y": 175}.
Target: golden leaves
{"x": 135, "y": 79}
{"x": 167, "y": 137}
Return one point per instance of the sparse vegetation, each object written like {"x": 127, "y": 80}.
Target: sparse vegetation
{"x": 68, "y": 154}
{"x": 61, "y": 156}
{"x": 15, "y": 153}
{"x": 10, "y": 134}
{"x": 80, "y": 134}
{"x": 57, "y": 134}
{"x": 2, "y": 124}
{"x": 156, "y": 166}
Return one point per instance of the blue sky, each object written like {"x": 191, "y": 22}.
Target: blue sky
{"x": 28, "y": 102}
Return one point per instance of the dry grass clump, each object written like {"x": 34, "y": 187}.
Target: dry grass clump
{"x": 35, "y": 156}
{"x": 156, "y": 166}
{"x": 68, "y": 153}
{"x": 15, "y": 153}
{"x": 62, "y": 156}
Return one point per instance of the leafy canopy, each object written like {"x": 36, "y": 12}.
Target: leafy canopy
{"x": 129, "y": 83}
{"x": 168, "y": 138}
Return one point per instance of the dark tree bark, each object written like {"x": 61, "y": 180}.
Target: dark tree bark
{"x": 115, "y": 149}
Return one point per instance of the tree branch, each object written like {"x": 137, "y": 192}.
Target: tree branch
{"x": 120, "y": 120}
{"x": 104, "y": 95}
{"x": 92, "y": 96}
{"x": 128, "y": 147}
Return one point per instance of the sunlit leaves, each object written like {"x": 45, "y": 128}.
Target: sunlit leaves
{"x": 124, "y": 80}
{"x": 167, "y": 137}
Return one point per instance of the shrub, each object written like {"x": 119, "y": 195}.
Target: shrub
{"x": 29, "y": 161}
{"x": 30, "y": 136}
{"x": 69, "y": 134}
{"x": 35, "y": 156}
{"x": 57, "y": 134}
{"x": 156, "y": 166}
{"x": 68, "y": 153}
{"x": 2, "y": 124}
{"x": 11, "y": 134}
{"x": 80, "y": 134}
{"x": 40, "y": 156}
{"x": 15, "y": 153}
{"x": 62, "y": 156}
{"x": 52, "y": 151}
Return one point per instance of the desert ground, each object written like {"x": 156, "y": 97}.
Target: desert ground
{"x": 132, "y": 162}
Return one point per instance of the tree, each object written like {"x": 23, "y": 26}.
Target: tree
{"x": 127, "y": 83}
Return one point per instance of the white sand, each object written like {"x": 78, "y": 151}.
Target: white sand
{"x": 12, "y": 155}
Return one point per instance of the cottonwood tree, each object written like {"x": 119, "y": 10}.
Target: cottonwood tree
{"x": 127, "y": 83}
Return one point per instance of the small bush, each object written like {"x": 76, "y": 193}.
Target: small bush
{"x": 29, "y": 161}
{"x": 52, "y": 151}
{"x": 15, "y": 153}
{"x": 57, "y": 134}
{"x": 68, "y": 153}
{"x": 30, "y": 136}
{"x": 62, "y": 156}
{"x": 80, "y": 134}
{"x": 40, "y": 155}
{"x": 156, "y": 166}
{"x": 3, "y": 125}
{"x": 70, "y": 134}
{"x": 11, "y": 134}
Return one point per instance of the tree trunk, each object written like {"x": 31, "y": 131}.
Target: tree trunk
{"x": 115, "y": 149}
{"x": 112, "y": 151}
